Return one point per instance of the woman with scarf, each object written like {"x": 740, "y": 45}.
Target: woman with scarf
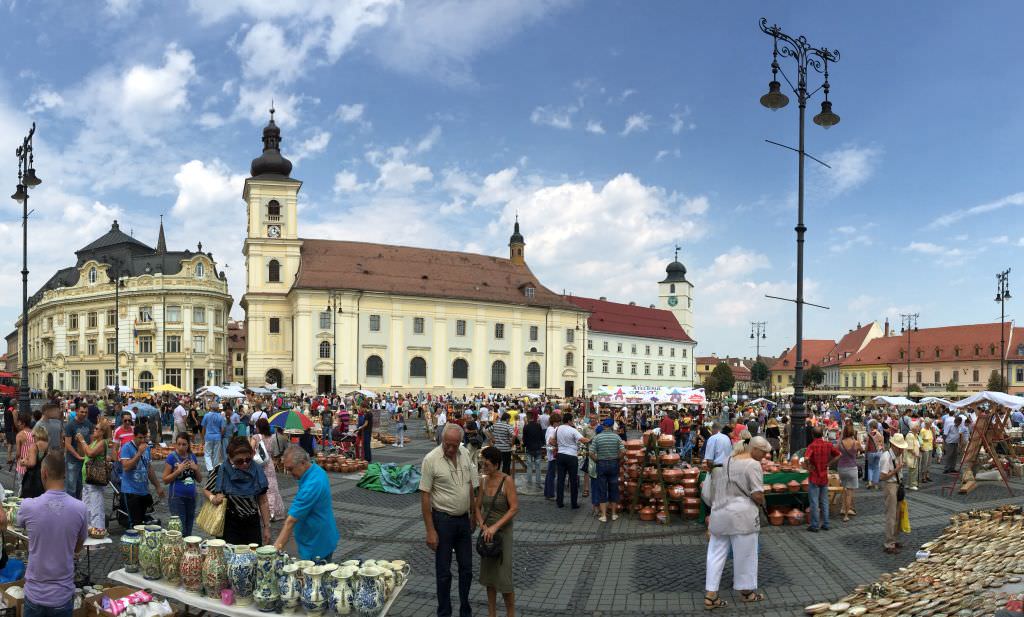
{"x": 244, "y": 484}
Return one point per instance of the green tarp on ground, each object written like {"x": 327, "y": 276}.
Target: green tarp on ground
{"x": 391, "y": 478}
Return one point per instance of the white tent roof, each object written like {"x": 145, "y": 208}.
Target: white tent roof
{"x": 758, "y": 400}
{"x": 998, "y": 398}
{"x": 894, "y": 400}
{"x": 928, "y": 400}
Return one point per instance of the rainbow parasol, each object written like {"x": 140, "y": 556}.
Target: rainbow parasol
{"x": 290, "y": 420}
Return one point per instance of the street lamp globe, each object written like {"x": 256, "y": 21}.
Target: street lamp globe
{"x": 999, "y": 297}
{"x": 31, "y": 179}
{"x": 20, "y": 195}
{"x": 775, "y": 99}
{"x": 1006, "y": 294}
{"x": 826, "y": 118}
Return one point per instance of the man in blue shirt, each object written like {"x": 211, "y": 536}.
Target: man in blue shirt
{"x": 310, "y": 515}
{"x": 136, "y": 463}
{"x": 719, "y": 447}
{"x": 213, "y": 429}
{"x": 1017, "y": 418}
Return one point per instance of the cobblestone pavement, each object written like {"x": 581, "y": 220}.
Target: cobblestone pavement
{"x": 566, "y": 562}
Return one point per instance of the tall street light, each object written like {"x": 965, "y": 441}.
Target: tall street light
{"x": 334, "y": 311}
{"x": 27, "y": 178}
{"x": 908, "y": 324}
{"x": 118, "y": 286}
{"x": 1002, "y": 295}
{"x": 757, "y": 332}
{"x": 805, "y": 57}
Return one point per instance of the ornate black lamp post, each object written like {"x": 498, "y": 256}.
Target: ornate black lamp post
{"x": 1002, "y": 295}
{"x": 27, "y": 178}
{"x": 334, "y": 310}
{"x": 908, "y": 324}
{"x": 805, "y": 57}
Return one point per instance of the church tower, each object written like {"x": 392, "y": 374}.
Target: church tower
{"x": 272, "y": 251}
{"x": 675, "y": 294}
{"x": 517, "y": 246}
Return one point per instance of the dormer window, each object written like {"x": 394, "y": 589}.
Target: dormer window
{"x": 92, "y": 276}
{"x": 992, "y": 350}
{"x": 530, "y": 291}
{"x": 200, "y": 270}
{"x": 1020, "y": 349}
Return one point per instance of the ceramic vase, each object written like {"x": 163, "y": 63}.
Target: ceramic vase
{"x": 402, "y": 570}
{"x": 130, "y": 543}
{"x": 288, "y": 586}
{"x": 301, "y": 573}
{"x": 368, "y": 598}
{"x": 215, "y": 569}
{"x": 328, "y": 581}
{"x": 172, "y": 549}
{"x": 266, "y": 592}
{"x": 149, "y": 554}
{"x": 313, "y": 599}
{"x": 242, "y": 574}
{"x": 191, "y": 569}
{"x": 341, "y": 601}
{"x": 174, "y": 524}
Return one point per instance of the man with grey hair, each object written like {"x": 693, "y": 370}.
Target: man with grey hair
{"x": 310, "y": 516}
{"x": 447, "y": 482}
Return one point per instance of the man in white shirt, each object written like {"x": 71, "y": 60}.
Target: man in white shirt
{"x": 890, "y": 468}
{"x": 566, "y": 439}
{"x": 180, "y": 413}
{"x": 257, "y": 415}
{"x": 549, "y": 477}
{"x": 544, "y": 419}
{"x": 442, "y": 419}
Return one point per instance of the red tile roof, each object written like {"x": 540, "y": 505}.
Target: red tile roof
{"x": 631, "y": 320}
{"x": 337, "y": 264}
{"x": 849, "y": 344}
{"x": 881, "y": 350}
{"x": 945, "y": 344}
{"x": 740, "y": 373}
{"x": 814, "y": 351}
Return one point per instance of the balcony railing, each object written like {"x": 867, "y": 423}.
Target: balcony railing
{"x": 273, "y": 218}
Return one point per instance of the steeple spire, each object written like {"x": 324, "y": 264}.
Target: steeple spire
{"x": 161, "y": 241}
{"x": 271, "y": 163}
{"x": 516, "y": 245}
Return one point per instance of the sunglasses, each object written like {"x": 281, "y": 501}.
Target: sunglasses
{"x": 241, "y": 462}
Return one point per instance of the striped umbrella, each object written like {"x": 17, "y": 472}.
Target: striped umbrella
{"x": 290, "y": 420}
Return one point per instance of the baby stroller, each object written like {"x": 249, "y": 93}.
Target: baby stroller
{"x": 118, "y": 506}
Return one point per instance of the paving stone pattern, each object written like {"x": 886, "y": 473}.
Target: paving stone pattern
{"x": 568, "y": 563}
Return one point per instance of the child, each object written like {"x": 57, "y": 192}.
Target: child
{"x": 22, "y": 443}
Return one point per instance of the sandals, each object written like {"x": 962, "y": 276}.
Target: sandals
{"x": 713, "y": 601}
{"x": 751, "y": 596}
{"x": 851, "y": 513}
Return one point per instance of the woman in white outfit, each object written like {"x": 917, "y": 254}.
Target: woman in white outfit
{"x": 736, "y": 499}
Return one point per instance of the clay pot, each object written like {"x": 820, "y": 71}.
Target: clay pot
{"x": 794, "y": 461}
{"x": 779, "y": 488}
{"x": 691, "y": 492}
{"x": 672, "y": 476}
{"x": 793, "y": 486}
{"x": 795, "y": 517}
{"x": 634, "y": 445}
{"x": 647, "y": 514}
{"x": 691, "y": 472}
{"x": 657, "y": 491}
{"x": 676, "y": 492}
{"x": 806, "y": 484}
{"x": 671, "y": 459}
{"x": 646, "y": 490}
{"x": 650, "y": 473}
{"x": 666, "y": 441}
{"x": 691, "y": 513}
{"x": 775, "y": 517}
{"x": 633, "y": 472}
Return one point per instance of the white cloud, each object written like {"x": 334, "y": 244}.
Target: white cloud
{"x": 395, "y": 174}
{"x": 499, "y": 187}
{"x": 737, "y": 263}
{"x": 846, "y": 229}
{"x": 637, "y": 123}
{"x": 557, "y": 117}
{"x": 696, "y": 205}
{"x": 926, "y": 248}
{"x": 268, "y": 56}
{"x": 316, "y": 144}
{"x": 593, "y": 126}
{"x": 851, "y": 167}
{"x": 44, "y": 99}
{"x": 665, "y": 153}
{"x": 350, "y": 113}
{"x": 347, "y": 182}
{"x": 429, "y": 140}
{"x": 254, "y": 106}
{"x": 680, "y": 122}
{"x": 210, "y": 120}
{"x": 1000, "y": 240}
{"x": 1016, "y": 199}
{"x": 122, "y": 8}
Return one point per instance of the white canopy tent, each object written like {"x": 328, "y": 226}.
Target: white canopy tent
{"x": 122, "y": 389}
{"x": 222, "y": 392}
{"x": 998, "y": 398}
{"x": 895, "y": 401}
{"x": 928, "y": 400}
{"x": 762, "y": 400}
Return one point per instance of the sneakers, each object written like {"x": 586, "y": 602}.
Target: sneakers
{"x": 603, "y": 519}
{"x": 913, "y": 488}
{"x": 615, "y": 517}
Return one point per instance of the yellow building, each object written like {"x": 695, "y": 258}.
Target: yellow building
{"x": 782, "y": 373}
{"x": 164, "y": 323}
{"x": 325, "y": 315}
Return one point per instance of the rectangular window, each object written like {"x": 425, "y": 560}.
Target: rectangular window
{"x": 618, "y": 347}
{"x": 73, "y": 347}
{"x": 173, "y": 377}
{"x": 590, "y": 344}
{"x": 647, "y": 369}
{"x": 534, "y": 333}
{"x": 173, "y": 313}
{"x": 109, "y": 377}
{"x": 672, "y": 352}
{"x": 976, "y": 375}
{"x": 145, "y": 313}
{"x": 325, "y": 320}
{"x": 174, "y": 344}
{"x": 92, "y": 380}
{"x": 218, "y": 317}
{"x": 275, "y": 325}
{"x": 198, "y": 344}
{"x": 570, "y": 335}
{"x": 955, "y": 375}
{"x": 530, "y": 292}
{"x": 418, "y": 325}
{"x": 499, "y": 330}
{"x": 899, "y": 376}
{"x": 632, "y": 368}
{"x": 218, "y": 344}
{"x": 239, "y": 371}
{"x": 460, "y": 327}
{"x": 684, "y": 371}
{"x": 91, "y": 347}
{"x": 198, "y": 314}
{"x": 618, "y": 368}
{"x": 671, "y": 370}
{"x": 238, "y": 357}
{"x": 661, "y": 351}
{"x": 111, "y": 346}
{"x": 590, "y": 366}
{"x": 919, "y": 377}
{"x": 632, "y": 349}
{"x": 111, "y": 318}
{"x": 937, "y": 377}
{"x": 145, "y": 344}
{"x": 76, "y": 380}
{"x": 1020, "y": 374}
{"x": 661, "y": 370}
{"x": 92, "y": 320}
{"x": 684, "y": 352}
{"x": 604, "y": 366}
{"x": 73, "y": 321}
{"x": 374, "y": 323}
{"x": 604, "y": 346}
{"x": 648, "y": 350}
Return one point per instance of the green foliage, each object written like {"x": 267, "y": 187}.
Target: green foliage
{"x": 952, "y": 386}
{"x": 814, "y": 376}
{"x": 759, "y": 372}
{"x": 996, "y": 383}
{"x": 721, "y": 379}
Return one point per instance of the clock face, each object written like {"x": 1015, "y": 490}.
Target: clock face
{"x": 274, "y": 231}
{"x": 672, "y": 301}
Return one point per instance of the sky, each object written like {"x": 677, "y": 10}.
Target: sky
{"x": 615, "y": 130}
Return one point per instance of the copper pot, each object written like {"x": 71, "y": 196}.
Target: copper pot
{"x": 666, "y": 441}
{"x": 691, "y": 472}
{"x": 672, "y": 476}
{"x": 670, "y": 459}
{"x": 795, "y": 517}
{"x": 806, "y": 484}
{"x": 691, "y": 513}
{"x": 775, "y": 517}
{"x": 676, "y": 492}
{"x": 646, "y": 490}
{"x": 691, "y": 502}
{"x": 633, "y": 472}
{"x": 650, "y": 473}
{"x": 691, "y": 492}
{"x": 793, "y": 486}
{"x": 690, "y": 483}
{"x": 673, "y": 507}
{"x": 634, "y": 445}
{"x": 779, "y": 488}
{"x": 647, "y": 514}
{"x": 657, "y": 491}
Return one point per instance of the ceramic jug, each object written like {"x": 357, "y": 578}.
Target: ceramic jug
{"x": 288, "y": 586}
{"x": 172, "y": 549}
{"x": 149, "y": 554}
{"x": 266, "y": 592}
{"x": 130, "y": 543}
{"x": 328, "y": 581}
{"x": 313, "y": 599}
{"x": 215, "y": 569}
{"x": 301, "y": 574}
{"x": 341, "y": 601}
{"x": 174, "y": 524}
{"x": 242, "y": 573}
{"x": 191, "y": 569}
{"x": 368, "y": 597}
{"x": 402, "y": 570}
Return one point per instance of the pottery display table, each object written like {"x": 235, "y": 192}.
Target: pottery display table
{"x": 88, "y": 546}
{"x": 212, "y": 606}
{"x": 798, "y": 498}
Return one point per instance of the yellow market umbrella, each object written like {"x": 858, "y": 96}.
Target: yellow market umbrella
{"x": 168, "y": 388}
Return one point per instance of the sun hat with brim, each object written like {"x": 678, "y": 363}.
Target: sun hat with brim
{"x": 760, "y": 443}
{"x": 898, "y": 441}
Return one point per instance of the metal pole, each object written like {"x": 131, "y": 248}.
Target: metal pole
{"x": 334, "y": 342}
{"x": 117, "y": 337}
{"x": 24, "y": 397}
{"x": 797, "y": 439}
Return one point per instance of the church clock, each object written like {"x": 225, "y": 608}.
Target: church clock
{"x": 274, "y": 231}
{"x": 672, "y": 301}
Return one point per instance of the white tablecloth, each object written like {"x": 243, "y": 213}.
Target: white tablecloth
{"x": 162, "y": 588}
{"x": 88, "y": 544}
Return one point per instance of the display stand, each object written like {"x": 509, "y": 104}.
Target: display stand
{"x": 211, "y": 605}
{"x": 88, "y": 546}
{"x": 989, "y": 430}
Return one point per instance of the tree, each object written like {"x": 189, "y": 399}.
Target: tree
{"x": 759, "y": 372}
{"x": 814, "y": 376}
{"x": 996, "y": 383}
{"x": 916, "y": 387}
{"x": 952, "y": 386}
{"x": 721, "y": 379}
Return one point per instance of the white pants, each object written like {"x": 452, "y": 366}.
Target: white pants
{"x": 744, "y": 561}
{"x": 92, "y": 496}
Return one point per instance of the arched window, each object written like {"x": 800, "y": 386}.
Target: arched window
{"x": 200, "y": 270}
{"x": 498, "y": 374}
{"x": 417, "y": 367}
{"x": 672, "y": 288}
{"x": 374, "y": 367}
{"x": 569, "y": 357}
{"x": 145, "y": 380}
{"x": 273, "y": 208}
{"x": 460, "y": 369}
{"x": 274, "y": 271}
{"x": 274, "y": 377}
{"x": 533, "y": 375}
{"x": 325, "y": 349}
{"x": 92, "y": 275}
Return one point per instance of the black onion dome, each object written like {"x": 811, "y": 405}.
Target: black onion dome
{"x": 676, "y": 273}
{"x": 516, "y": 237}
{"x": 271, "y": 163}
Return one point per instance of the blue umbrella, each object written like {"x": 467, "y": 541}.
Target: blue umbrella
{"x": 144, "y": 410}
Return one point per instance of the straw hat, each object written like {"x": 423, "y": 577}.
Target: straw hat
{"x": 898, "y": 441}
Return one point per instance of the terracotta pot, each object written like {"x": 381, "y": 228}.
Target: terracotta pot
{"x": 666, "y": 441}
{"x": 806, "y": 484}
{"x": 657, "y": 491}
{"x": 647, "y": 514}
{"x": 670, "y": 459}
{"x": 633, "y": 472}
{"x": 676, "y": 492}
{"x": 793, "y": 486}
{"x": 634, "y": 445}
{"x": 646, "y": 490}
{"x": 691, "y": 492}
{"x": 776, "y": 517}
{"x": 691, "y": 502}
{"x": 672, "y": 476}
{"x": 795, "y": 517}
{"x": 779, "y": 488}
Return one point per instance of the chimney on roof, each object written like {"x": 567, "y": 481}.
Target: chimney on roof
{"x": 858, "y": 325}
{"x": 603, "y": 298}
{"x": 652, "y": 306}
{"x": 631, "y": 303}
{"x": 886, "y": 326}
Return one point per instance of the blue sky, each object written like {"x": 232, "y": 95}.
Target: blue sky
{"x": 614, "y": 129}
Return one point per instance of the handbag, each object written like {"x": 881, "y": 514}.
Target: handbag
{"x": 97, "y": 471}
{"x": 211, "y": 518}
{"x": 493, "y": 548}
{"x": 260, "y": 457}
{"x": 901, "y": 493}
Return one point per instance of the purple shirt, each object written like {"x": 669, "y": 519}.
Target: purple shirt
{"x": 55, "y": 523}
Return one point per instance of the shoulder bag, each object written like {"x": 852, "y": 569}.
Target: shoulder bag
{"x": 901, "y": 493}
{"x": 260, "y": 457}
{"x": 483, "y": 547}
{"x": 211, "y": 517}
{"x": 97, "y": 471}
